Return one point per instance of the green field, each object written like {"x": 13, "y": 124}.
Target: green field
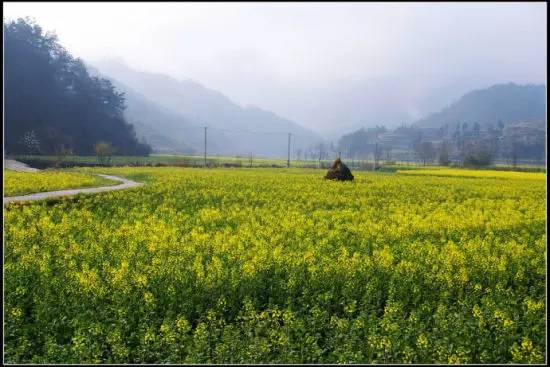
{"x": 43, "y": 161}
{"x": 173, "y": 160}
{"x": 278, "y": 265}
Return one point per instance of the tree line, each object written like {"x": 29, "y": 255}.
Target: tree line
{"x": 469, "y": 144}
{"x": 53, "y": 105}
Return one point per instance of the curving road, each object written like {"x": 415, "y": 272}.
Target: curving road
{"x": 54, "y": 194}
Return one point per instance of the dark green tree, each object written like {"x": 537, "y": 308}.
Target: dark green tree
{"x": 51, "y": 93}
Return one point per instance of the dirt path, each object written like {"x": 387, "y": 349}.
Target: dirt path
{"x": 54, "y": 194}
{"x": 18, "y": 166}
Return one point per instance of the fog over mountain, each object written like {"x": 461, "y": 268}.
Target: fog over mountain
{"x": 347, "y": 105}
{"x": 505, "y": 103}
{"x": 329, "y": 67}
{"x": 170, "y": 115}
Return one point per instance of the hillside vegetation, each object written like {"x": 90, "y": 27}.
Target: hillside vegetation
{"x": 502, "y": 102}
{"x": 52, "y": 104}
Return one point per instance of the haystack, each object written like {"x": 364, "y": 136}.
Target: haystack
{"x": 339, "y": 171}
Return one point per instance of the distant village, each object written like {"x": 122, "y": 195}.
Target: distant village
{"x": 475, "y": 144}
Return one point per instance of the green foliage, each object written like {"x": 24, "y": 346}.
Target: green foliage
{"x": 52, "y": 102}
{"x": 480, "y": 159}
{"x": 280, "y": 266}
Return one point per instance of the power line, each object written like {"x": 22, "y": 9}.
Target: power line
{"x": 288, "y": 160}
{"x": 250, "y": 132}
{"x": 243, "y": 131}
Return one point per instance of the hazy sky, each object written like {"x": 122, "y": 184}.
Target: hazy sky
{"x": 256, "y": 53}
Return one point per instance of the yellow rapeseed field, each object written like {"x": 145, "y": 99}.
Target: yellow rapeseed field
{"x": 21, "y": 183}
{"x": 281, "y": 266}
{"x": 450, "y": 172}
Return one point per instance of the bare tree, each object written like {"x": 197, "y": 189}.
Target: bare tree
{"x": 104, "y": 152}
{"x": 322, "y": 152}
{"x": 388, "y": 150}
{"x": 444, "y": 153}
{"x": 477, "y": 153}
{"x": 514, "y": 152}
{"x": 298, "y": 153}
{"x": 62, "y": 152}
{"x": 512, "y": 148}
{"x": 377, "y": 153}
{"x": 426, "y": 151}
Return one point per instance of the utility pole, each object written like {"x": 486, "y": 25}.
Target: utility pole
{"x": 320, "y": 148}
{"x": 205, "y": 146}
{"x": 288, "y": 160}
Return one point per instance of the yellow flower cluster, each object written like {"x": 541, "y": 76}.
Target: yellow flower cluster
{"x": 22, "y": 183}
{"x": 458, "y": 172}
{"x": 281, "y": 266}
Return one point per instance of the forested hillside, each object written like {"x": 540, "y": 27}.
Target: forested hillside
{"x": 502, "y": 102}
{"x": 52, "y": 104}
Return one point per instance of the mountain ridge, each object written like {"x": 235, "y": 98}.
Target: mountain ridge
{"x": 203, "y": 106}
{"x": 506, "y": 102}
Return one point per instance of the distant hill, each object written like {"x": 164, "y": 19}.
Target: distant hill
{"x": 158, "y": 126}
{"x": 183, "y": 107}
{"x": 506, "y": 102}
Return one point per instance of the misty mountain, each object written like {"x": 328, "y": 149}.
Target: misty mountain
{"x": 154, "y": 124}
{"x": 183, "y": 107}
{"x": 506, "y": 102}
{"x": 345, "y": 105}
